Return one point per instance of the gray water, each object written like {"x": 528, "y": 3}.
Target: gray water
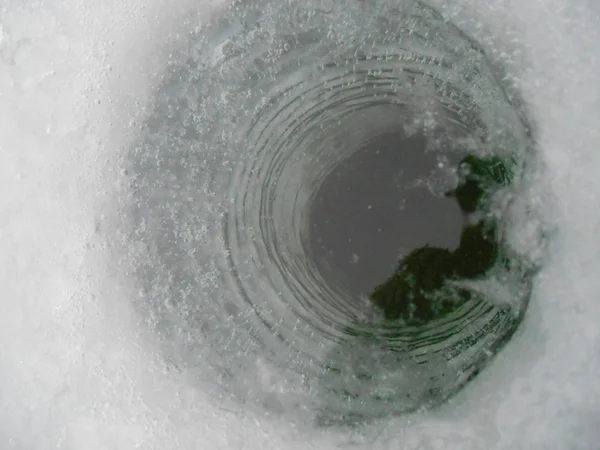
{"x": 145, "y": 288}
{"x": 372, "y": 209}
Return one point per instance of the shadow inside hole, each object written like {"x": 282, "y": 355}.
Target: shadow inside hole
{"x": 419, "y": 370}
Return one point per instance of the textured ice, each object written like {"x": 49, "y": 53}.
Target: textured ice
{"x": 79, "y": 371}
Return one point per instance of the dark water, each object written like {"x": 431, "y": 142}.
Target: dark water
{"x": 373, "y": 209}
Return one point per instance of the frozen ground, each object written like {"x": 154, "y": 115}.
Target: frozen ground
{"x": 77, "y": 371}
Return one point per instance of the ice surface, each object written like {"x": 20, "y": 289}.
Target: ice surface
{"x": 77, "y": 369}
